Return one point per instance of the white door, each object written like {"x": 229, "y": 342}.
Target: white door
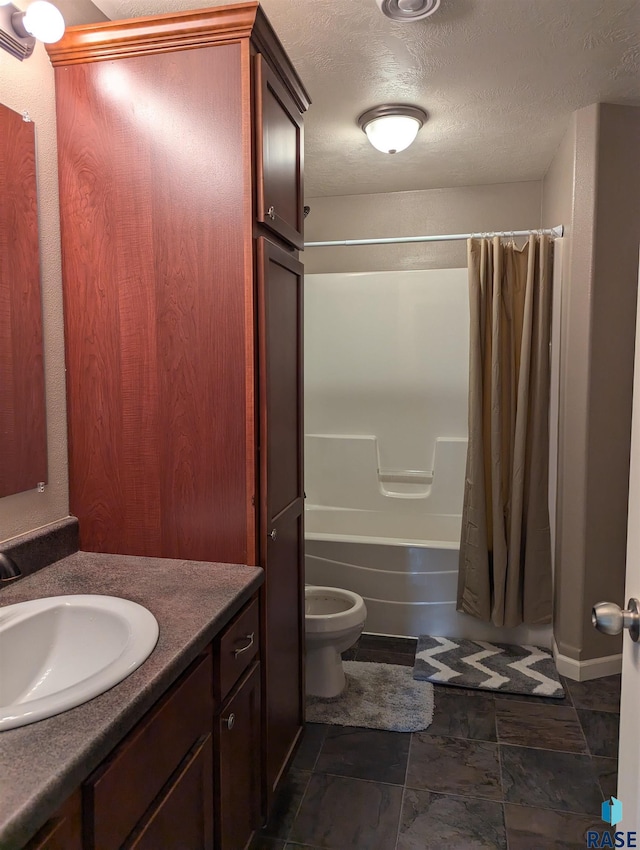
{"x": 629, "y": 752}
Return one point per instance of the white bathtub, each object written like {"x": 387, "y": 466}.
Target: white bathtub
{"x": 405, "y": 568}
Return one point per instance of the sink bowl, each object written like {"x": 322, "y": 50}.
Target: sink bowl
{"x": 58, "y": 652}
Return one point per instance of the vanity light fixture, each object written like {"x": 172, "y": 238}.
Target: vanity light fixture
{"x": 392, "y": 128}
{"x": 19, "y": 30}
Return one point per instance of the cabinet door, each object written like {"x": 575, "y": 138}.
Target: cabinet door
{"x": 239, "y": 755}
{"x": 119, "y": 795}
{"x": 183, "y": 817}
{"x": 279, "y": 148}
{"x": 63, "y": 831}
{"x": 280, "y": 288}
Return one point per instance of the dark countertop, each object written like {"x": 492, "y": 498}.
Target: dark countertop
{"x": 41, "y": 764}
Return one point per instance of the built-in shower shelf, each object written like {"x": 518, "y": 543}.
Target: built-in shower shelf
{"x": 405, "y": 476}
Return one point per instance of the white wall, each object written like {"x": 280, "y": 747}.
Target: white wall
{"x": 386, "y": 354}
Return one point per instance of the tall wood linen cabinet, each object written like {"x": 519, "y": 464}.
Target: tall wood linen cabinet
{"x": 180, "y": 166}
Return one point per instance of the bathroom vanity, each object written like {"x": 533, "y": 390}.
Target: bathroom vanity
{"x": 169, "y": 757}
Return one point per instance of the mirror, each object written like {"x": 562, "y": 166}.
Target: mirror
{"x": 23, "y": 439}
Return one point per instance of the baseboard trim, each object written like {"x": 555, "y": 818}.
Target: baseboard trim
{"x": 583, "y": 671}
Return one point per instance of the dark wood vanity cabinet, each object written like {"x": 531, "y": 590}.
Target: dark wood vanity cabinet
{"x": 188, "y": 776}
{"x": 180, "y": 167}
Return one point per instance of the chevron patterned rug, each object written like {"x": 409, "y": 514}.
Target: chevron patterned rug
{"x": 510, "y": 668}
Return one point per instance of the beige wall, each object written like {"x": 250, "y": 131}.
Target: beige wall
{"x": 29, "y": 85}
{"x": 593, "y": 186}
{"x": 615, "y": 277}
{"x": 503, "y": 206}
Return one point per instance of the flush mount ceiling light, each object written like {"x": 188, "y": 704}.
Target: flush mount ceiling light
{"x": 19, "y": 30}
{"x": 392, "y": 128}
{"x": 408, "y": 10}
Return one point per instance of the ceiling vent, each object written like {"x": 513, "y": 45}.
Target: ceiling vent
{"x": 408, "y": 10}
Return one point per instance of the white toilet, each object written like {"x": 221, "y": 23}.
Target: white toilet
{"x": 334, "y": 620}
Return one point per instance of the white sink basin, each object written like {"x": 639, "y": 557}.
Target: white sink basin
{"x": 59, "y": 652}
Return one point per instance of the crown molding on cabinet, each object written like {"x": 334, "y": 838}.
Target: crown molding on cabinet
{"x": 177, "y": 31}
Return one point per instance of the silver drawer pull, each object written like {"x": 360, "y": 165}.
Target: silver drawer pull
{"x": 238, "y": 652}
{"x": 230, "y": 721}
{"x": 271, "y": 212}
{"x": 273, "y": 534}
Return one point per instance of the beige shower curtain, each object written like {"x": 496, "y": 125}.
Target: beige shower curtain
{"x": 505, "y": 550}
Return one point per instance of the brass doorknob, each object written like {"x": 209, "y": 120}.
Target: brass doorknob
{"x": 611, "y": 619}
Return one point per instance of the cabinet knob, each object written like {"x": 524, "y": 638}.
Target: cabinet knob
{"x": 230, "y": 721}
{"x": 273, "y": 534}
{"x": 271, "y": 212}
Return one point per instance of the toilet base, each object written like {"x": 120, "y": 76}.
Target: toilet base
{"x": 324, "y": 672}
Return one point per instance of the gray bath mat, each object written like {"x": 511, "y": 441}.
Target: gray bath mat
{"x": 510, "y": 668}
{"x": 377, "y": 696}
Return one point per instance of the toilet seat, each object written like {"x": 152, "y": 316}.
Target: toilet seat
{"x": 332, "y": 609}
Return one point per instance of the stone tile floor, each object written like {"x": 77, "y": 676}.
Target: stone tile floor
{"x": 501, "y": 772}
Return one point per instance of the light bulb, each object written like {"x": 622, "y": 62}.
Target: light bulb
{"x": 392, "y": 133}
{"x": 43, "y": 21}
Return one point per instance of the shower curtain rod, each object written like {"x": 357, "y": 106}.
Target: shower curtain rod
{"x": 550, "y": 231}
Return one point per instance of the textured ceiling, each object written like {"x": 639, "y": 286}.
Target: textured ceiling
{"x": 499, "y": 79}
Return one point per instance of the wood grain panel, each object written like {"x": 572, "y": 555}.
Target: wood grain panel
{"x": 279, "y": 145}
{"x": 64, "y": 830}
{"x": 23, "y": 438}
{"x": 237, "y": 647}
{"x": 154, "y": 211}
{"x": 90, "y": 228}
{"x": 123, "y": 788}
{"x": 239, "y": 764}
{"x": 284, "y": 650}
{"x": 200, "y": 274}
{"x": 283, "y": 305}
{"x": 280, "y": 332}
{"x": 183, "y": 818}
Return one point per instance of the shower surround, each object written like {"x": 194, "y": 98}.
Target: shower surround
{"x": 386, "y": 382}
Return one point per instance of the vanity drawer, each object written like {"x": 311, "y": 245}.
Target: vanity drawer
{"x": 238, "y": 646}
{"x": 119, "y": 793}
